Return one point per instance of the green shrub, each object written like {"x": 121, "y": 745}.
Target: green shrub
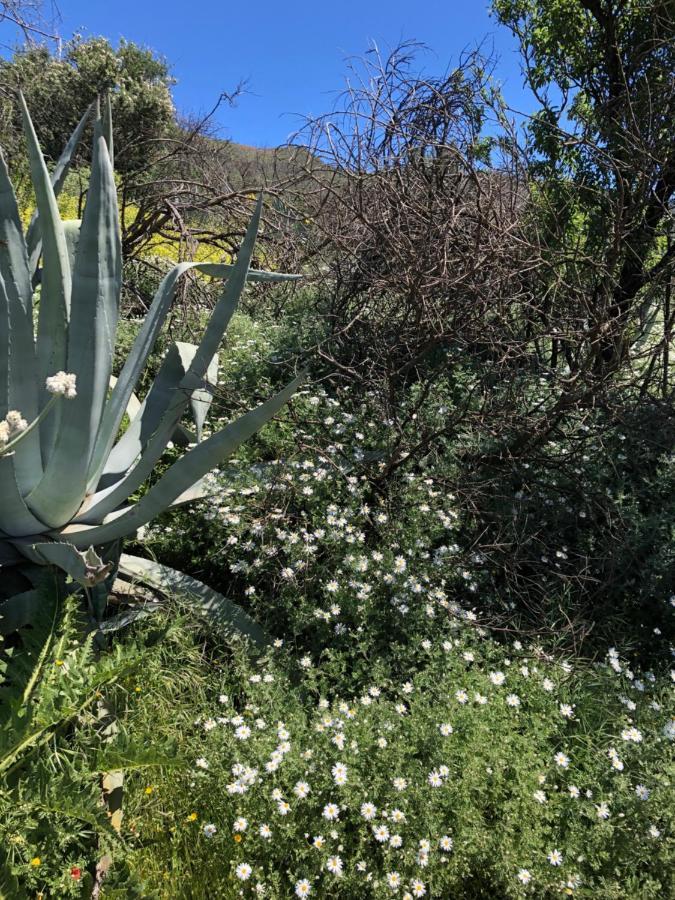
{"x": 493, "y": 766}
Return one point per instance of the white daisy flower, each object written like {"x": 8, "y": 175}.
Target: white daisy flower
{"x": 334, "y": 865}
{"x": 243, "y": 871}
{"x": 555, "y": 857}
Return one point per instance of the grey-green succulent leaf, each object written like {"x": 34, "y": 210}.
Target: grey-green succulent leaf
{"x": 16, "y": 519}
{"x": 52, "y": 335}
{"x": 20, "y": 610}
{"x": 181, "y": 476}
{"x": 141, "y": 349}
{"x": 202, "y": 397}
{"x": 66, "y": 478}
{"x": 71, "y": 228}
{"x": 18, "y": 389}
{"x": 94, "y": 309}
{"x": 110, "y": 498}
{"x": 108, "y": 127}
{"x": 87, "y": 569}
{"x": 58, "y": 176}
{"x": 221, "y": 613}
{"x": 172, "y": 371}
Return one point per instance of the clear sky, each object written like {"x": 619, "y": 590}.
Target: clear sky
{"x": 291, "y": 53}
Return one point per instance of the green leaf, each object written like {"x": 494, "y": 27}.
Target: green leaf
{"x": 222, "y": 614}
{"x": 9, "y": 884}
{"x": 127, "y": 755}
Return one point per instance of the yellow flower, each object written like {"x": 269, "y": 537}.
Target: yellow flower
{"x": 35, "y": 861}
{"x": 192, "y": 817}
{"x": 149, "y": 789}
{"x": 58, "y": 662}
{"x": 237, "y": 838}
{"x": 137, "y": 689}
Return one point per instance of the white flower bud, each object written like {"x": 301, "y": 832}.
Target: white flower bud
{"x": 62, "y": 383}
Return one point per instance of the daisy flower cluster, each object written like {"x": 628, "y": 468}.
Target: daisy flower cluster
{"x": 402, "y": 789}
{"x": 394, "y": 746}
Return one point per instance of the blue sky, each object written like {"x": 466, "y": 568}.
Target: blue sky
{"x": 292, "y": 53}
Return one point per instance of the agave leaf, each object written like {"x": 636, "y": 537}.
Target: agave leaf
{"x": 108, "y": 128}
{"x": 58, "y": 176}
{"x": 88, "y": 569}
{"x": 141, "y": 349}
{"x": 208, "y": 347}
{"x": 16, "y": 519}
{"x": 221, "y": 613}
{"x": 9, "y": 555}
{"x": 71, "y": 229}
{"x": 171, "y": 372}
{"x": 135, "y": 362}
{"x": 122, "y": 620}
{"x": 20, "y": 610}
{"x": 220, "y": 319}
{"x": 201, "y": 398}
{"x": 97, "y": 279}
{"x": 51, "y": 344}
{"x": 134, "y": 404}
{"x": 18, "y": 387}
{"x": 197, "y": 491}
{"x": 182, "y": 475}
{"x": 182, "y": 436}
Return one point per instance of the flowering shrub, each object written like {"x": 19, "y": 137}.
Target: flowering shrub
{"x": 391, "y": 746}
{"x": 392, "y": 743}
{"x": 495, "y": 768}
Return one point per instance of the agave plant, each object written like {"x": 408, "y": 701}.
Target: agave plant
{"x": 66, "y": 474}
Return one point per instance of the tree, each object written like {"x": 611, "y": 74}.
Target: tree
{"x": 604, "y": 162}
{"x": 29, "y": 18}
{"x": 59, "y": 88}
{"x": 175, "y": 182}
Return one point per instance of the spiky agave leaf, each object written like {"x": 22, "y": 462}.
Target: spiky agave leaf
{"x": 221, "y": 613}
{"x": 65, "y": 485}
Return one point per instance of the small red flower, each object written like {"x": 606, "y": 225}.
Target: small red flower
{"x": 76, "y": 873}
